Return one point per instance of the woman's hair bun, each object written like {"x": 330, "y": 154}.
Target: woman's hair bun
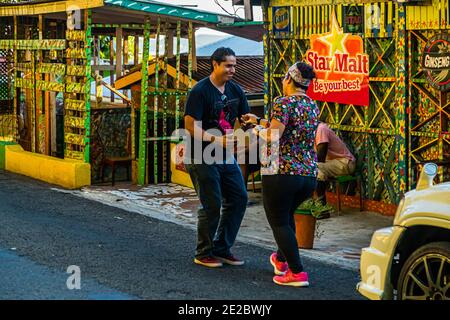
{"x": 306, "y": 70}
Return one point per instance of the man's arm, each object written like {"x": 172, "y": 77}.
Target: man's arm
{"x": 192, "y": 126}
{"x": 196, "y": 131}
{"x": 195, "y": 106}
{"x": 322, "y": 149}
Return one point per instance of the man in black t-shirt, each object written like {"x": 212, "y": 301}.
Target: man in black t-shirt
{"x": 212, "y": 108}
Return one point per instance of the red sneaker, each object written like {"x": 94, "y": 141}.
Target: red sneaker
{"x": 279, "y": 268}
{"x": 292, "y": 279}
{"x": 231, "y": 260}
{"x": 208, "y": 262}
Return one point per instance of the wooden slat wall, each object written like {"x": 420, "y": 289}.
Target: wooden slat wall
{"x": 315, "y": 19}
{"x": 312, "y": 17}
{"x": 390, "y": 23}
{"x": 308, "y": 19}
{"x": 433, "y": 16}
{"x": 382, "y": 20}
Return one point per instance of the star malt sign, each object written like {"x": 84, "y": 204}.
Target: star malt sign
{"x": 341, "y": 66}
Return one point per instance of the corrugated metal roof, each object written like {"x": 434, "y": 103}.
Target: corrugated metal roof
{"x": 241, "y": 46}
{"x": 249, "y": 72}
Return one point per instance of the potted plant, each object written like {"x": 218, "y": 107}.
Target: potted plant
{"x": 305, "y": 221}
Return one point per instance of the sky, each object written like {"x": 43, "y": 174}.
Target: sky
{"x": 210, "y": 5}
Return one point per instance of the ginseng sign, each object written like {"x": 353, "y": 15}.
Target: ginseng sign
{"x": 436, "y": 62}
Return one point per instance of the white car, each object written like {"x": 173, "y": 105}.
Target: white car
{"x": 411, "y": 259}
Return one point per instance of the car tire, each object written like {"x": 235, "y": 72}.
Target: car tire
{"x": 418, "y": 278}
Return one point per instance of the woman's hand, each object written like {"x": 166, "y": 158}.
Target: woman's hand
{"x": 257, "y": 129}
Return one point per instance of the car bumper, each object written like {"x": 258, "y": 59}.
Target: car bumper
{"x": 376, "y": 262}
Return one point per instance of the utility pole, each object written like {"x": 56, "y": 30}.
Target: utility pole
{"x": 247, "y": 8}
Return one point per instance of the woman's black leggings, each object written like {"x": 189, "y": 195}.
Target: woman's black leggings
{"x": 282, "y": 194}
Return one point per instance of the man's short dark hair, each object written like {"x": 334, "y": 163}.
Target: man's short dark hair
{"x": 220, "y": 55}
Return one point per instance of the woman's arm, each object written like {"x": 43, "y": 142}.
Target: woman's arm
{"x": 273, "y": 131}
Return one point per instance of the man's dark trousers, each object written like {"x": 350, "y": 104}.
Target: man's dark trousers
{"x": 218, "y": 186}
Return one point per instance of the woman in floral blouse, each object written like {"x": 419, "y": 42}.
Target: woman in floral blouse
{"x": 289, "y": 168}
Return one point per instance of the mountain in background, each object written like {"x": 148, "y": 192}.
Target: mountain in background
{"x": 241, "y": 46}
{"x": 201, "y": 40}
{"x": 206, "y": 39}
{"x": 206, "y": 44}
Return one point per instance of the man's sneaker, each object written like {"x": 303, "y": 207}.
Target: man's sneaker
{"x": 251, "y": 203}
{"x": 292, "y": 279}
{"x": 279, "y": 268}
{"x": 208, "y": 262}
{"x": 231, "y": 260}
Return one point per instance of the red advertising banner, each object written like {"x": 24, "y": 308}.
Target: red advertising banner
{"x": 341, "y": 66}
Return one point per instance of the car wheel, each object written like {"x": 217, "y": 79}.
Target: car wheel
{"x": 426, "y": 274}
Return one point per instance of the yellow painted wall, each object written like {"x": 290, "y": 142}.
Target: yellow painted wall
{"x": 433, "y": 16}
{"x": 70, "y": 174}
{"x": 178, "y": 176}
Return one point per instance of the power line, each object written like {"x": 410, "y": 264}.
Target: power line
{"x": 231, "y": 14}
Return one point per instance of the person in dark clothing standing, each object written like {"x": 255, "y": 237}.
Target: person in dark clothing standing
{"x": 212, "y": 108}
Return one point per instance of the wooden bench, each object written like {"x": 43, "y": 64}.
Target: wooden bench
{"x": 356, "y": 176}
{"x": 339, "y": 181}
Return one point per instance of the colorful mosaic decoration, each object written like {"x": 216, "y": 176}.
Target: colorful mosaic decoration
{"x": 407, "y": 121}
{"x": 79, "y": 71}
{"x": 49, "y": 86}
{"x": 56, "y": 44}
{"x": 428, "y": 117}
{"x": 75, "y": 35}
{"x": 75, "y": 105}
{"x": 75, "y": 87}
{"x": 52, "y": 49}
{"x": 53, "y": 68}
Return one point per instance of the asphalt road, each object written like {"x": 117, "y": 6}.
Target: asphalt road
{"x": 123, "y": 255}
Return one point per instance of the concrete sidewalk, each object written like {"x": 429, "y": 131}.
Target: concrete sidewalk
{"x": 338, "y": 241}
